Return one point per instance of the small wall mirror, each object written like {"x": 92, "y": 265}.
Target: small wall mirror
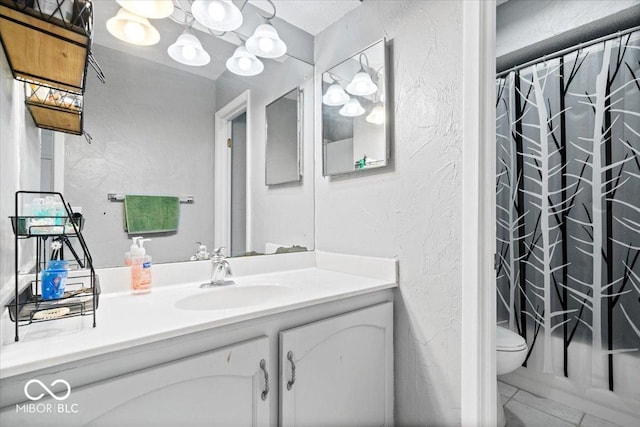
{"x": 355, "y": 129}
{"x": 282, "y": 159}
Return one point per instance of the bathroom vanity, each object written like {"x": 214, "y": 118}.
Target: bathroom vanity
{"x": 302, "y": 338}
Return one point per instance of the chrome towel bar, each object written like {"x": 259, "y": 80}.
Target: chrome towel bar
{"x": 113, "y": 197}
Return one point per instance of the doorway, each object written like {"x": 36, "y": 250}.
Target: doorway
{"x": 232, "y": 200}
{"x": 51, "y": 161}
{"x": 238, "y": 244}
{"x": 46, "y": 161}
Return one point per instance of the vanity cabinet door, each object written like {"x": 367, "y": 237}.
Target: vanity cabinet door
{"x": 339, "y": 371}
{"x": 217, "y": 388}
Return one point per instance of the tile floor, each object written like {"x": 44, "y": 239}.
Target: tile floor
{"x": 523, "y": 409}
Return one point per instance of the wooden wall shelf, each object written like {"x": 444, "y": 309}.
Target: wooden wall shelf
{"x": 41, "y": 51}
{"x": 55, "y": 109}
{"x": 52, "y": 55}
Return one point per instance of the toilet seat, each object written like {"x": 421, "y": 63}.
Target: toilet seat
{"x": 507, "y": 340}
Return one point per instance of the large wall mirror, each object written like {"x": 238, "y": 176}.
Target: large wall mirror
{"x": 153, "y": 133}
{"x": 355, "y": 128}
{"x": 283, "y": 121}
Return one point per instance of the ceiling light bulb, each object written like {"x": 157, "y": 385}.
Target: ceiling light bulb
{"x": 146, "y": 8}
{"x": 244, "y": 63}
{"x": 216, "y": 11}
{"x": 362, "y": 85}
{"x": 266, "y": 44}
{"x": 218, "y": 15}
{"x": 155, "y": 9}
{"x": 335, "y": 96}
{"x": 132, "y": 28}
{"x": 376, "y": 116}
{"x": 189, "y": 52}
{"x": 352, "y": 108}
{"x": 134, "y": 31}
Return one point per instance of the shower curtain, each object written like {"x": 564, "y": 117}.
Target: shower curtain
{"x": 568, "y": 213}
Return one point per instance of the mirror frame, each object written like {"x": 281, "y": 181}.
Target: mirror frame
{"x": 388, "y": 123}
{"x": 299, "y": 136}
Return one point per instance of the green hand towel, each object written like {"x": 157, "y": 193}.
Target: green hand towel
{"x": 151, "y": 214}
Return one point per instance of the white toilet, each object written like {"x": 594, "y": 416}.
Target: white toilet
{"x": 511, "y": 350}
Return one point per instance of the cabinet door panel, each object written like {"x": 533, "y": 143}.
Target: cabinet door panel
{"x": 218, "y": 388}
{"x": 343, "y": 370}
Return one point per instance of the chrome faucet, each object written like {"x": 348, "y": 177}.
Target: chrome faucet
{"x": 221, "y": 269}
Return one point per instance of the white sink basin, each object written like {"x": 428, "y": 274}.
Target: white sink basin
{"x": 232, "y": 296}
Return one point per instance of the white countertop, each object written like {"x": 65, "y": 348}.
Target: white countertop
{"x": 125, "y": 320}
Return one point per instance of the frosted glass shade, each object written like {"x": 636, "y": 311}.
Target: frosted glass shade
{"x": 219, "y": 15}
{"x": 244, "y": 63}
{"x": 352, "y": 108}
{"x": 335, "y": 95}
{"x": 133, "y": 29}
{"x": 362, "y": 85}
{"x": 376, "y": 116}
{"x": 154, "y": 9}
{"x": 266, "y": 42}
{"x": 188, "y": 50}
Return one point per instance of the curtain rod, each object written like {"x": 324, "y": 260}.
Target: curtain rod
{"x": 569, "y": 50}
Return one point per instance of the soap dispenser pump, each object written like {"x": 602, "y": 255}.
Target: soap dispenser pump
{"x": 134, "y": 247}
{"x": 140, "y": 267}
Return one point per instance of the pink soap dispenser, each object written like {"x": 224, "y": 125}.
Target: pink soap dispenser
{"x": 140, "y": 267}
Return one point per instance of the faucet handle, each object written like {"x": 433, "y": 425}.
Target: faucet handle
{"x": 227, "y": 267}
{"x": 220, "y": 251}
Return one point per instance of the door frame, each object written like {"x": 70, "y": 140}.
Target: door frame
{"x": 478, "y": 355}
{"x": 222, "y": 170}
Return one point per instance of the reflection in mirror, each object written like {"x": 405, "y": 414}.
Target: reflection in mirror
{"x": 282, "y": 162}
{"x": 153, "y": 133}
{"x": 354, "y": 113}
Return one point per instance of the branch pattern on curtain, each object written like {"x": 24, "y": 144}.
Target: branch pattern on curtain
{"x": 568, "y": 213}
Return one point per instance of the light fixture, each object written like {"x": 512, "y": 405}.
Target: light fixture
{"x": 188, "y": 50}
{"x": 154, "y": 9}
{"x": 376, "y": 116}
{"x": 244, "y": 63}
{"x": 266, "y": 42}
{"x": 219, "y": 15}
{"x": 133, "y": 29}
{"x": 352, "y": 108}
{"x": 361, "y": 84}
{"x": 335, "y": 95}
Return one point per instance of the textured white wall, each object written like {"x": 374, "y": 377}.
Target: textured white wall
{"x": 521, "y": 23}
{"x": 19, "y": 169}
{"x": 152, "y": 129}
{"x": 413, "y": 211}
{"x": 282, "y": 214}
